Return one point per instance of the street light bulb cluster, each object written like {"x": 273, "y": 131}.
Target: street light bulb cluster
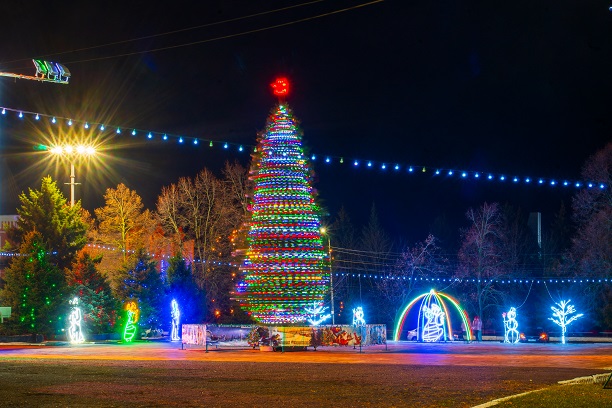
{"x": 70, "y": 150}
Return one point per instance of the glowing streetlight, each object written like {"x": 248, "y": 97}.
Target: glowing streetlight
{"x": 72, "y": 153}
{"x": 331, "y": 275}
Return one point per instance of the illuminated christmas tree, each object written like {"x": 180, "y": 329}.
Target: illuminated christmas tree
{"x": 286, "y": 268}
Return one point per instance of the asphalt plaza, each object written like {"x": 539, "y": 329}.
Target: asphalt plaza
{"x": 402, "y": 373}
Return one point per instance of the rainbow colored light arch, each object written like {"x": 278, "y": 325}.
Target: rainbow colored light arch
{"x": 426, "y": 299}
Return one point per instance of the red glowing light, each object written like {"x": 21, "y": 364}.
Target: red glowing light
{"x": 280, "y": 87}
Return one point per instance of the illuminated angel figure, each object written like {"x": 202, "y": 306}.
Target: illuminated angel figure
{"x": 176, "y": 317}
{"x": 75, "y": 318}
{"x": 132, "y": 317}
{"x": 433, "y": 329}
{"x": 511, "y": 334}
{"x": 358, "y": 317}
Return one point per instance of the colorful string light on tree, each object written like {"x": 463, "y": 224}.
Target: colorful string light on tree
{"x": 286, "y": 267}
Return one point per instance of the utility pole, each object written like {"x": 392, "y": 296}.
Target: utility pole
{"x": 331, "y": 275}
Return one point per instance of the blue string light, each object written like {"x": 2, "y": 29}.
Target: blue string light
{"x": 472, "y": 280}
{"x": 464, "y": 174}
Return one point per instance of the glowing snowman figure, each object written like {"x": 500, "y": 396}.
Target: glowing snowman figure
{"x": 433, "y": 330}
{"x": 176, "y": 317}
{"x": 511, "y": 334}
{"x": 75, "y": 318}
{"x": 358, "y": 317}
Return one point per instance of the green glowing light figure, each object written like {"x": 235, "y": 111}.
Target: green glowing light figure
{"x": 132, "y": 317}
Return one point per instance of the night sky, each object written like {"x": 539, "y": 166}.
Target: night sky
{"x": 517, "y": 88}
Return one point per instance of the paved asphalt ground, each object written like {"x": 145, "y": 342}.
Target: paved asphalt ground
{"x": 404, "y": 374}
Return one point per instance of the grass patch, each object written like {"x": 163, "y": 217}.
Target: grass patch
{"x": 565, "y": 396}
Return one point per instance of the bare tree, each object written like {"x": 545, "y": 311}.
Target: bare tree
{"x": 591, "y": 250}
{"x": 421, "y": 260}
{"x": 519, "y": 244}
{"x": 205, "y": 211}
{"x": 237, "y": 177}
{"x": 168, "y": 214}
{"x": 592, "y": 245}
{"x": 481, "y": 258}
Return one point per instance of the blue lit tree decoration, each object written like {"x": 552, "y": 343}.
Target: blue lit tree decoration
{"x": 511, "y": 334}
{"x": 560, "y": 316}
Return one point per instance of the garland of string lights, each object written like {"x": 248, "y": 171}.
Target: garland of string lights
{"x": 328, "y": 159}
{"x": 286, "y": 267}
{"x": 543, "y": 280}
{"x": 370, "y": 275}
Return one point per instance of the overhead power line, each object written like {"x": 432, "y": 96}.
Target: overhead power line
{"x": 224, "y": 37}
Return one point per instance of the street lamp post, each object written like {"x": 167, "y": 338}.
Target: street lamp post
{"x": 72, "y": 153}
{"x": 72, "y": 184}
{"x": 331, "y": 276}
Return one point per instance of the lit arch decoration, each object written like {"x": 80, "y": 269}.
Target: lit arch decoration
{"x": 436, "y": 300}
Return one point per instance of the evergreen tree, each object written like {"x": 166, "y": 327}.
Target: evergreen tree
{"x": 35, "y": 290}
{"x": 286, "y": 267}
{"x": 62, "y": 227}
{"x": 140, "y": 281}
{"x": 182, "y": 288}
{"x": 97, "y": 303}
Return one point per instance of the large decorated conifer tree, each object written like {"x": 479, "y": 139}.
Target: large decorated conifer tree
{"x": 286, "y": 267}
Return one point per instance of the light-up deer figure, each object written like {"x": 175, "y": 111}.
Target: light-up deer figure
{"x": 560, "y": 316}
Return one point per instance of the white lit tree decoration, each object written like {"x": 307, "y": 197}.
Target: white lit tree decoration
{"x": 561, "y": 316}
{"x": 75, "y": 318}
{"x": 316, "y": 311}
{"x": 511, "y": 334}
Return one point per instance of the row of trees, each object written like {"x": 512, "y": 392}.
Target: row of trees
{"x": 126, "y": 252}
{"x": 187, "y": 249}
{"x": 496, "y": 244}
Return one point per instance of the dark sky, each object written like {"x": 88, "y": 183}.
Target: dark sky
{"x": 517, "y": 88}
